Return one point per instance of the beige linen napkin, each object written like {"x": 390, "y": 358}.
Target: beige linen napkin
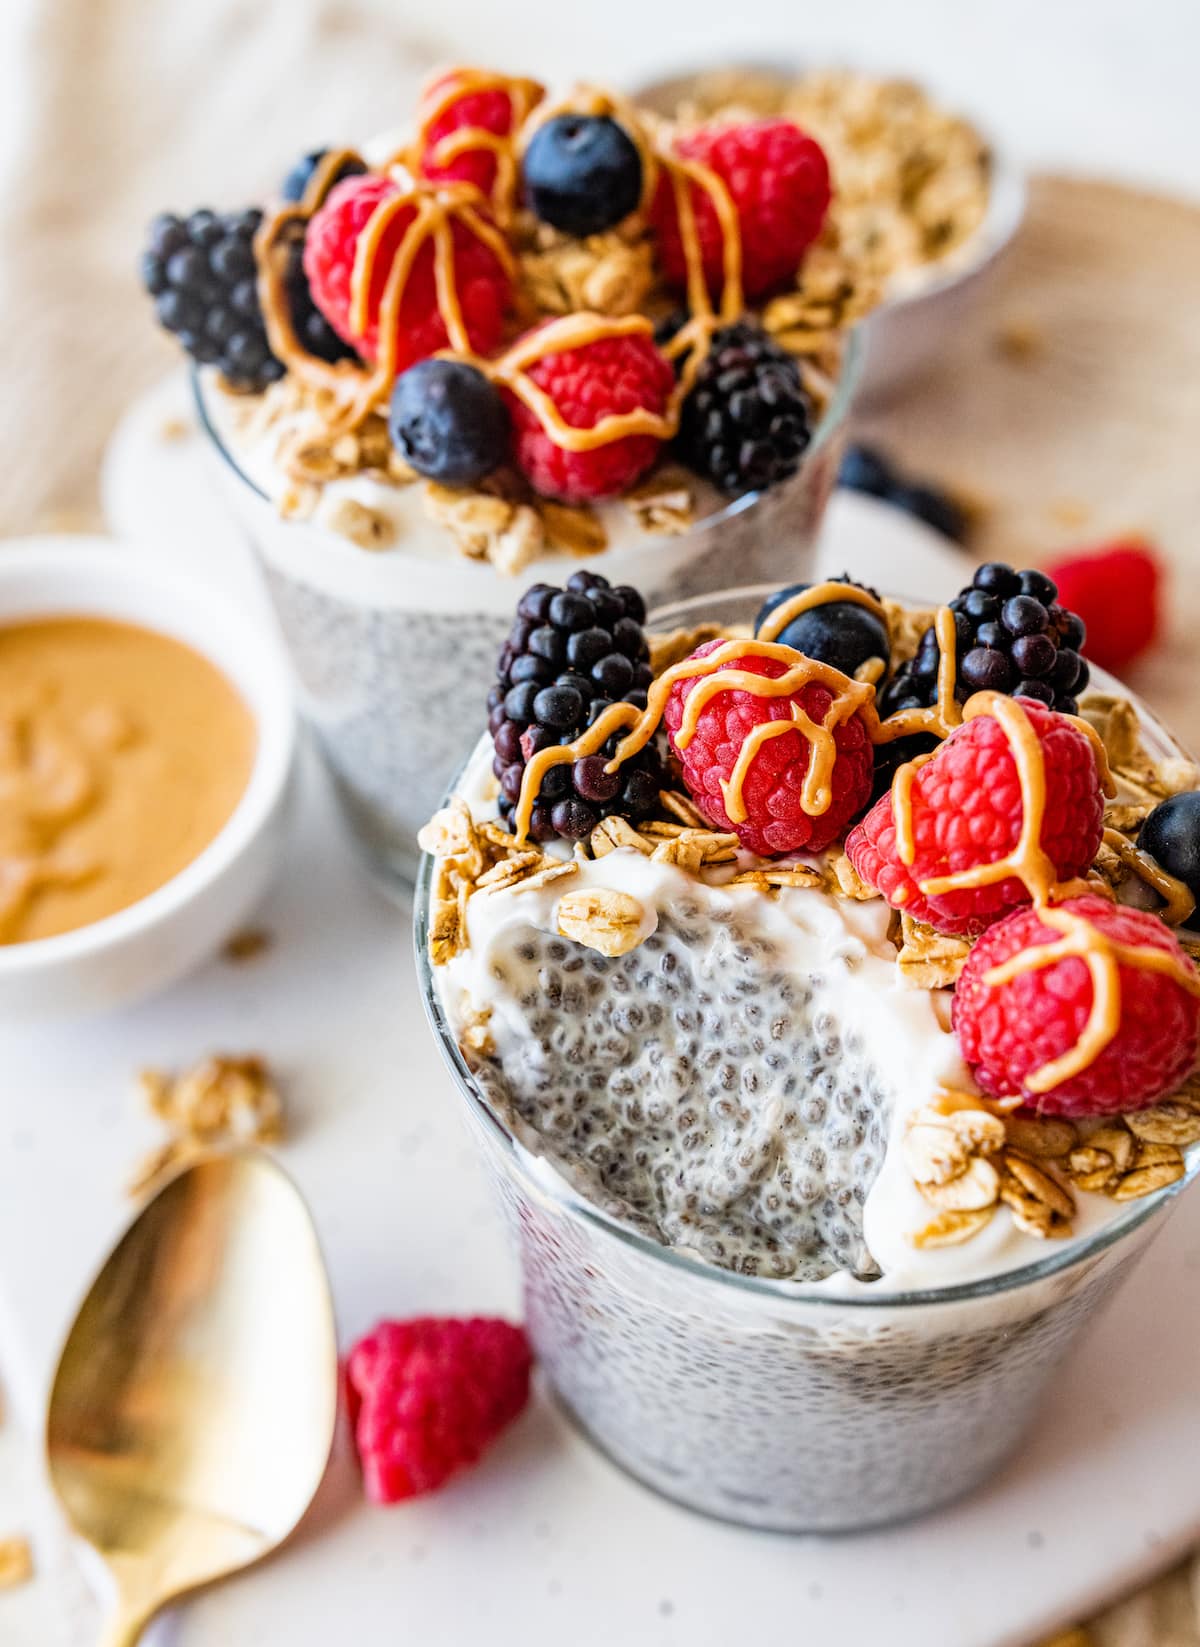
{"x": 111, "y": 110}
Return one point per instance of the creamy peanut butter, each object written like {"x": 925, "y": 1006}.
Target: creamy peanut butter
{"x": 122, "y": 754}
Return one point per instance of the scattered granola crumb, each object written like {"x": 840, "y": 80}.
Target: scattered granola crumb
{"x": 1069, "y": 512}
{"x": 221, "y": 1101}
{"x": 1020, "y": 338}
{"x": 248, "y": 945}
{"x": 16, "y": 1562}
{"x": 174, "y": 429}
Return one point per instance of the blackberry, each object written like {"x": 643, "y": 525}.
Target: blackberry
{"x": 312, "y": 329}
{"x": 748, "y": 420}
{"x": 571, "y": 653}
{"x": 582, "y": 173}
{"x": 1012, "y": 637}
{"x": 448, "y": 421}
{"x": 201, "y": 273}
{"x": 840, "y": 633}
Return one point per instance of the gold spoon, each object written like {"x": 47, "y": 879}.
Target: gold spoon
{"x": 193, "y": 1408}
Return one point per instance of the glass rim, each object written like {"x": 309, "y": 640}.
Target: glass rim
{"x": 832, "y": 420}
{"x": 782, "y": 1293}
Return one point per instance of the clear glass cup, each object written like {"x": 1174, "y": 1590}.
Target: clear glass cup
{"x": 769, "y": 1403}
{"x": 392, "y": 664}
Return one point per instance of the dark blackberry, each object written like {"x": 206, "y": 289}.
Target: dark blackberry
{"x": 748, "y": 419}
{"x": 312, "y": 329}
{"x": 201, "y": 273}
{"x": 867, "y": 469}
{"x": 1012, "y": 637}
{"x": 840, "y": 633}
{"x": 570, "y": 654}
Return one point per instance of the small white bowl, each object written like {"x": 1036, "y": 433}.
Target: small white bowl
{"x": 921, "y": 306}
{"x": 140, "y": 950}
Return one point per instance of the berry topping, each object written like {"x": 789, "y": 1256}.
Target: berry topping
{"x": 613, "y": 376}
{"x": 571, "y": 653}
{"x": 483, "y": 108}
{"x": 302, "y": 173}
{"x": 310, "y": 325}
{"x": 428, "y": 1396}
{"x": 746, "y": 422}
{"x": 1171, "y": 835}
{"x": 1016, "y": 1022}
{"x": 839, "y": 632}
{"x": 773, "y": 796}
{"x": 1116, "y": 592}
{"x": 778, "y": 180}
{"x": 582, "y": 173}
{"x": 480, "y": 279}
{"x": 448, "y": 421}
{"x": 202, "y": 276}
{"x": 968, "y": 808}
{"x": 1013, "y": 637}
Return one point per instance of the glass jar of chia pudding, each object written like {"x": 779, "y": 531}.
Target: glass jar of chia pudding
{"x": 394, "y": 648}
{"x": 777, "y": 1402}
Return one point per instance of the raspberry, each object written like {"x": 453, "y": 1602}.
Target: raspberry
{"x": 776, "y": 821}
{"x": 1007, "y": 1032}
{"x": 427, "y": 1396}
{"x": 612, "y": 375}
{"x": 483, "y": 285}
{"x": 489, "y": 111}
{"x": 778, "y": 179}
{"x": 1115, "y": 590}
{"x": 967, "y": 810}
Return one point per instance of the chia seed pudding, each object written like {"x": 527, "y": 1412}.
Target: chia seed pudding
{"x": 533, "y": 328}
{"x": 788, "y": 1254}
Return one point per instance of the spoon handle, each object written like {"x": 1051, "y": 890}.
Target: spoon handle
{"x": 124, "y": 1628}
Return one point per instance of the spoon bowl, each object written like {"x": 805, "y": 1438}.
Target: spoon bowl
{"x": 193, "y": 1408}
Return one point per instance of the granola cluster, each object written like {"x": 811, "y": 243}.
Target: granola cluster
{"x": 219, "y": 1102}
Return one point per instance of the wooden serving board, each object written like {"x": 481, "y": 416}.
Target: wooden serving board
{"x": 1067, "y": 405}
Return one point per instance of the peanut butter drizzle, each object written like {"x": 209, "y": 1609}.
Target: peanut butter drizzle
{"x": 1102, "y": 955}
{"x": 1176, "y": 894}
{"x": 523, "y": 96}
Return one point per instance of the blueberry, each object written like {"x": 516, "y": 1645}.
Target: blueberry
{"x": 613, "y": 675}
{"x": 1038, "y": 690}
{"x": 864, "y": 469}
{"x": 933, "y": 507}
{"x": 582, "y": 173}
{"x": 1023, "y": 615}
{"x": 840, "y": 633}
{"x": 986, "y": 670}
{"x": 569, "y": 610}
{"x": 1171, "y": 835}
{"x": 587, "y": 646}
{"x": 997, "y": 579}
{"x": 298, "y": 179}
{"x": 1039, "y": 586}
{"x": 573, "y": 819}
{"x": 448, "y": 422}
{"x": 559, "y": 707}
{"x": 519, "y": 703}
{"x": 1034, "y": 656}
{"x": 592, "y": 782}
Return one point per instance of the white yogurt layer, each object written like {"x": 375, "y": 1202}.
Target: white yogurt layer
{"x": 903, "y": 1032}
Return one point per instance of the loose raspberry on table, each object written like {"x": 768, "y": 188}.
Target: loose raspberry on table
{"x": 967, "y": 810}
{"x": 778, "y": 179}
{"x": 1007, "y": 1032}
{"x": 1116, "y": 591}
{"x": 484, "y": 109}
{"x": 427, "y": 1396}
{"x": 613, "y": 375}
{"x": 482, "y": 282}
{"x": 776, "y": 821}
